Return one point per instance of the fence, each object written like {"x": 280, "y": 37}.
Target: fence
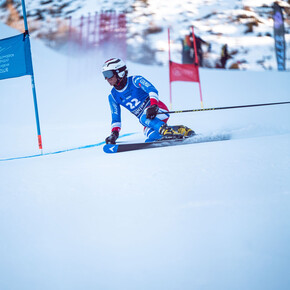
{"x": 105, "y": 31}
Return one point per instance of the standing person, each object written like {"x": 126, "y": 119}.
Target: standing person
{"x": 187, "y": 50}
{"x": 224, "y": 56}
{"x": 140, "y": 97}
{"x": 188, "y": 55}
{"x": 199, "y": 42}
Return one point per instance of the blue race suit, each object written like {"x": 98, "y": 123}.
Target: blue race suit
{"x": 136, "y": 96}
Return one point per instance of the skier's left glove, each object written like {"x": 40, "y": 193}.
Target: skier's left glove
{"x": 112, "y": 138}
{"x": 152, "y": 111}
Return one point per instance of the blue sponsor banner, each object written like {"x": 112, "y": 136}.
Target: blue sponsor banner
{"x": 279, "y": 35}
{"x": 15, "y": 57}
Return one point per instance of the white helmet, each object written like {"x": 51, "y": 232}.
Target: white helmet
{"x": 114, "y": 66}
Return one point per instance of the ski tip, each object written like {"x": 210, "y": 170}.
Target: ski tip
{"x": 110, "y": 148}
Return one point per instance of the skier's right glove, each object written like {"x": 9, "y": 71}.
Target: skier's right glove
{"x": 151, "y": 112}
{"x": 112, "y": 138}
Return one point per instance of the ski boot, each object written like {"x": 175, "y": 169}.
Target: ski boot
{"x": 183, "y": 130}
{"x": 168, "y": 133}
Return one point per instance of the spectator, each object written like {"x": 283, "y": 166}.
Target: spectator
{"x": 224, "y": 56}
{"x": 188, "y": 55}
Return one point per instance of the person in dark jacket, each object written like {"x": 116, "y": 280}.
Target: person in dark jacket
{"x": 188, "y": 55}
{"x": 225, "y": 56}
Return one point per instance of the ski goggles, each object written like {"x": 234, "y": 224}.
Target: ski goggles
{"x": 108, "y": 74}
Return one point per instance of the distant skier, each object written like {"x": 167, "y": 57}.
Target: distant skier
{"x": 140, "y": 97}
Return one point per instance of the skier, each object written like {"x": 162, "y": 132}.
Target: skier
{"x": 140, "y": 97}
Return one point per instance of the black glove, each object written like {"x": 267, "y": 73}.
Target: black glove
{"x": 152, "y": 111}
{"x": 112, "y": 138}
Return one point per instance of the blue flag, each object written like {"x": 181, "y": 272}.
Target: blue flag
{"x": 279, "y": 35}
{"x": 15, "y": 57}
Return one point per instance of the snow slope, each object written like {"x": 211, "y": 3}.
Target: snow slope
{"x": 204, "y": 216}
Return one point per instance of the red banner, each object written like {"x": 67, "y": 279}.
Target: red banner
{"x": 183, "y": 72}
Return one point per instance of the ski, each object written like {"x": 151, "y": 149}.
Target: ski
{"x": 116, "y": 148}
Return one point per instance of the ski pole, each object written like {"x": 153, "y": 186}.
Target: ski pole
{"x": 223, "y": 108}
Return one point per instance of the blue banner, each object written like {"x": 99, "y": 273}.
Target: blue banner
{"x": 15, "y": 57}
{"x": 279, "y": 35}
